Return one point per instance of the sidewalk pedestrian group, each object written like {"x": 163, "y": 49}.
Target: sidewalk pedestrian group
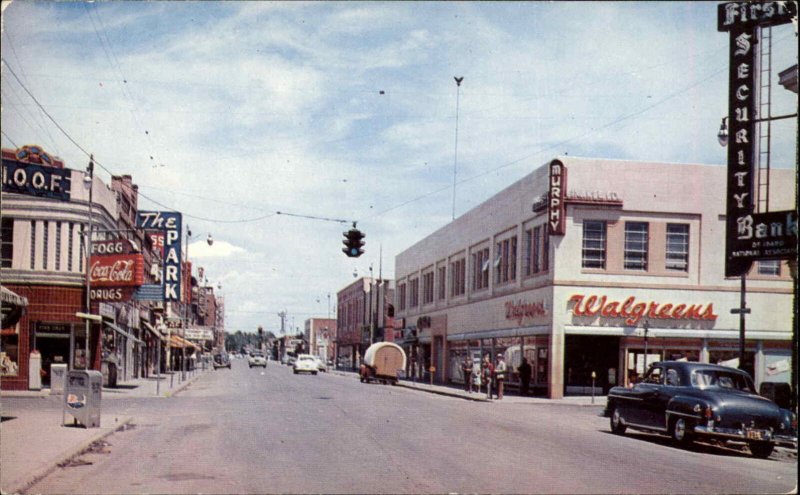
{"x": 500, "y": 375}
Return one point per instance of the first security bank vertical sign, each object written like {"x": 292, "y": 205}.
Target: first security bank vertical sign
{"x": 170, "y": 223}
{"x": 749, "y": 235}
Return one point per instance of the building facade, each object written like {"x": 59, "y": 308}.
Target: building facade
{"x": 319, "y": 333}
{"x": 365, "y": 314}
{"x": 590, "y": 269}
{"x": 47, "y": 211}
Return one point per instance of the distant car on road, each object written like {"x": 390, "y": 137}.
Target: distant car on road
{"x": 305, "y": 363}
{"x": 257, "y": 359}
{"x": 221, "y": 361}
{"x": 689, "y": 400}
{"x": 321, "y": 365}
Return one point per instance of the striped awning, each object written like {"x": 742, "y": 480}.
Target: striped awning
{"x": 9, "y": 297}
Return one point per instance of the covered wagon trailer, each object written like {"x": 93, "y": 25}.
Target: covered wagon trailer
{"x": 383, "y": 361}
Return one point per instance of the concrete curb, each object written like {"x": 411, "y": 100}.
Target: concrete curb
{"x": 600, "y": 401}
{"x": 444, "y": 392}
{"x": 180, "y": 388}
{"x": 68, "y": 455}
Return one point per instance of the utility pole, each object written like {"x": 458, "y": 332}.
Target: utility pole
{"x": 455, "y": 158}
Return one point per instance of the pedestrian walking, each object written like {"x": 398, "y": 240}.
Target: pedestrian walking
{"x": 466, "y": 371}
{"x": 487, "y": 369}
{"x": 476, "y": 377}
{"x": 500, "y": 375}
{"x": 525, "y": 372}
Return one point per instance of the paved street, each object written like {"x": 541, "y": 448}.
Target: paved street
{"x": 269, "y": 431}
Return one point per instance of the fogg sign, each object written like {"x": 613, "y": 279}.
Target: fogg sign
{"x": 171, "y": 224}
{"x": 114, "y": 270}
{"x": 633, "y": 311}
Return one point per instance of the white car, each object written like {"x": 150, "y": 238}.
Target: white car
{"x": 321, "y": 366}
{"x": 305, "y": 363}
{"x": 257, "y": 359}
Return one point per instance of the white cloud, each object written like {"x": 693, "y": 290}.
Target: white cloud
{"x": 249, "y": 108}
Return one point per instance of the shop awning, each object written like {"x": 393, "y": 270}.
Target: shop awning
{"x": 152, "y": 330}
{"x": 7, "y": 296}
{"x": 122, "y": 332}
{"x": 178, "y": 342}
{"x": 496, "y": 334}
{"x": 13, "y": 307}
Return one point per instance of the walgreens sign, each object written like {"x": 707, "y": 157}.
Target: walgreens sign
{"x": 633, "y": 310}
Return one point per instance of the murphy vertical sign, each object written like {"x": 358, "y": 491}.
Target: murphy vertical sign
{"x": 748, "y": 235}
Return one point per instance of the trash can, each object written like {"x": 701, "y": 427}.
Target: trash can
{"x": 58, "y": 374}
{"x": 82, "y": 394}
{"x": 35, "y": 371}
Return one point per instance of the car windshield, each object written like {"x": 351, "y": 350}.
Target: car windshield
{"x": 722, "y": 379}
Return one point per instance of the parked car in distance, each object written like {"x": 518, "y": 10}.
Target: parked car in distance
{"x": 305, "y": 363}
{"x": 321, "y": 365}
{"x": 257, "y": 358}
{"x": 221, "y": 361}
{"x": 689, "y": 400}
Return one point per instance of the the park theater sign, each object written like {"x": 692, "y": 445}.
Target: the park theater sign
{"x": 750, "y": 236}
{"x": 170, "y": 223}
{"x": 633, "y": 311}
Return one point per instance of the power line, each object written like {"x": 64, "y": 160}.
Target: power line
{"x": 556, "y": 145}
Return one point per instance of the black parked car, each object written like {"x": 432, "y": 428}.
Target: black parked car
{"x": 221, "y": 361}
{"x": 689, "y": 400}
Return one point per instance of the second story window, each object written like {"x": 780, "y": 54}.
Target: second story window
{"x": 594, "y": 244}
{"x": 506, "y": 260}
{"x": 442, "y": 282}
{"x": 401, "y": 298}
{"x": 480, "y": 269}
{"x": 413, "y": 293}
{"x": 457, "y": 277}
{"x": 677, "y": 255}
{"x": 636, "y": 240}
{"x": 427, "y": 288}
{"x": 7, "y": 238}
{"x": 770, "y": 268}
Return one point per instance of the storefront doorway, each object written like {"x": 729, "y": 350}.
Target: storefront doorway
{"x": 584, "y": 354}
{"x": 56, "y": 342}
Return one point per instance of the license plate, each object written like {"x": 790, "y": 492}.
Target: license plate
{"x": 753, "y": 434}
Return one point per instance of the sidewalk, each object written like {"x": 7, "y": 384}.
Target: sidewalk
{"x": 33, "y": 440}
{"x": 508, "y": 398}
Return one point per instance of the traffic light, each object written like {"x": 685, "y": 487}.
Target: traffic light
{"x": 353, "y": 243}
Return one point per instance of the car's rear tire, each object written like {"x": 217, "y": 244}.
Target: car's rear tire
{"x": 762, "y": 450}
{"x": 313, "y": 372}
{"x": 295, "y": 372}
{"x": 617, "y": 422}
{"x": 681, "y": 431}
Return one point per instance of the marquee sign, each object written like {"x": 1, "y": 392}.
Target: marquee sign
{"x": 36, "y": 180}
{"x": 749, "y": 235}
{"x": 170, "y": 223}
{"x": 557, "y": 186}
{"x": 633, "y": 311}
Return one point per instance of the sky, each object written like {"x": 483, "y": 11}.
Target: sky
{"x": 273, "y": 126}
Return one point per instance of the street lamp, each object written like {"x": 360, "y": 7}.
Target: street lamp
{"x": 722, "y": 135}
{"x": 89, "y": 180}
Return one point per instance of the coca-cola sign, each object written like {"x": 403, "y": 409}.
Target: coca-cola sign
{"x": 125, "y": 270}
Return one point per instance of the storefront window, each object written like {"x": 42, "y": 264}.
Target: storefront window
{"x": 9, "y": 356}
